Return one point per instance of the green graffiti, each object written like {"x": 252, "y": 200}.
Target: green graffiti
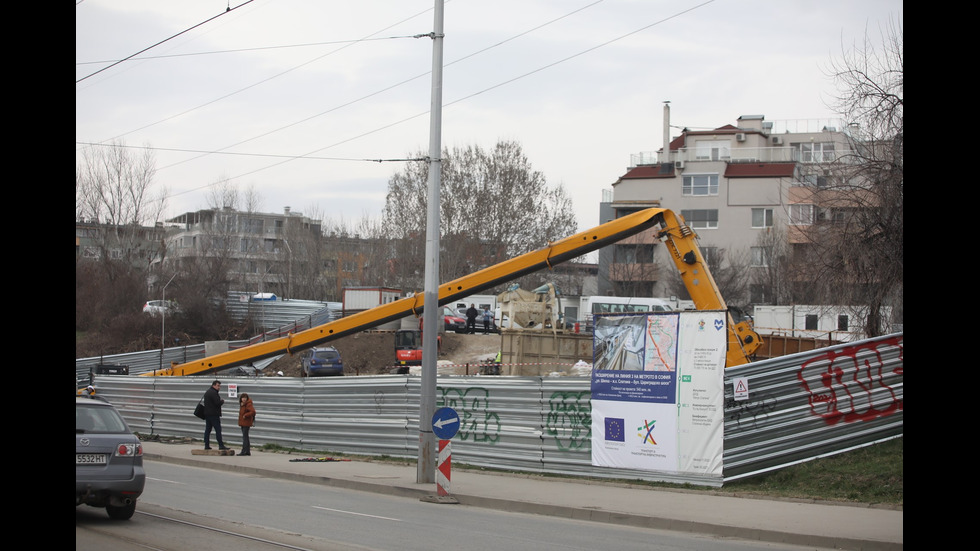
{"x": 476, "y": 421}
{"x": 570, "y": 420}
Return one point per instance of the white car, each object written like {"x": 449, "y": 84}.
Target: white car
{"x": 157, "y": 307}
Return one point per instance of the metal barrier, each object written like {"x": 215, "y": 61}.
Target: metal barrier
{"x": 796, "y": 408}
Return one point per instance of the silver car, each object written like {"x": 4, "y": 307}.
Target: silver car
{"x": 108, "y": 459}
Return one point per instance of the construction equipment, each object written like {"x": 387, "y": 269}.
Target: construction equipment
{"x": 537, "y": 309}
{"x": 680, "y": 240}
{"x": 408, "y": 348}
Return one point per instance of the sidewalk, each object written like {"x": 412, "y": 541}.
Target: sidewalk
{"x": 790, "y": 522}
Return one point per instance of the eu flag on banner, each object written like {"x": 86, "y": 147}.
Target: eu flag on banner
{"x": 615, "y": 429}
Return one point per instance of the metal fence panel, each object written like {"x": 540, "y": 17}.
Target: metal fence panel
{"x": 798, "y": 408}
{"x": 500, "y": 420}
{"x": 814, "y": 404}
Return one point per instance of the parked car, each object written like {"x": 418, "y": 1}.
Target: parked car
{"x": 157, "y": 307}
{"x": 453, "y": 322}
{"x": 318, "y": 362}
{"x": 108, "y": 459}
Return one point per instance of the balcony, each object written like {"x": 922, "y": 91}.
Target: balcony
{"x": 737, "y": 155}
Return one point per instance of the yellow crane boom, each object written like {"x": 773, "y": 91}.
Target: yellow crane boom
{"x": 680, "y": 240}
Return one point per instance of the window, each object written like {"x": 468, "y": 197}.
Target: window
{"x": 842, "y": 322}
{"x": 815, "y": 180}
{"x": 761, "y": 218}
{"x": 758, "y": 293}
{"x": 811, "y": 322}
{"x": 704, "y": 184}
{"x": 701, "y": 218}
{"x": 631, "y": 254}
{"x": 254, "y": 225}
{"x": 712, "y": 257}
{"x": 801, "y": 214}
{"x": 761, "y": 256}
{"x": 817, "y": 152}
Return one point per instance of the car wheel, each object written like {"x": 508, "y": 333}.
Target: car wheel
{"x": 124, "y": 512}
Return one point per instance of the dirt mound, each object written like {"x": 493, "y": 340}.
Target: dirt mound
{"x": 373, "y": 352}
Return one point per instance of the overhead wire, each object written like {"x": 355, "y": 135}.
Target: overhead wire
{"x": 228, "y": 10}
{"x": 400, "y": 121}
{"x": 391, "y": 87}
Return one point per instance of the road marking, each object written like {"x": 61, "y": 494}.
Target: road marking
{"x": 353, "y": 513}
{"x": 164, "y": 480}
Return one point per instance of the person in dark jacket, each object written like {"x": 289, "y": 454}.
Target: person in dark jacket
{"x": 471, "y": 314}
{"x": 246, "y": 418}
{"x": 212, "y": 415}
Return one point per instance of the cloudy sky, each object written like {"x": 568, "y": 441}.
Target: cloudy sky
{"x": 300, "y": 99}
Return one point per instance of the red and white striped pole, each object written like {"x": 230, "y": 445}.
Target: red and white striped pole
{"x": 444, "y": 467}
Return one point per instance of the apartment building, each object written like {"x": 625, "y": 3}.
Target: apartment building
{"x": 733, "y": 185}
{"x": 263, "y": 252}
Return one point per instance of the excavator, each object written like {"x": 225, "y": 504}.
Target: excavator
{"x": 679, "y": 239}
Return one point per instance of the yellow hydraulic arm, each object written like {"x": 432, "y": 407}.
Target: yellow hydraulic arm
{"x": 681, "y": 243}
{"x": 551, "y": 255}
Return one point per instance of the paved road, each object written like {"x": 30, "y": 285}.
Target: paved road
{"x": 817, "y": 525}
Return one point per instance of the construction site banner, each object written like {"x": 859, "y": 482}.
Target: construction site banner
{"x": 658, "y": 391}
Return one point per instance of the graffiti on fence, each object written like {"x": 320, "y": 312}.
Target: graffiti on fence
{"x": 744, "y": 410}
{"x": 570, "y": 420}
{"x": 379, "y": 401}
{"x": 848, "y": 385}
{"x": 477, "y": 421}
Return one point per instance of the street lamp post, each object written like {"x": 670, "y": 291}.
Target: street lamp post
{"x": 163, "y": 319}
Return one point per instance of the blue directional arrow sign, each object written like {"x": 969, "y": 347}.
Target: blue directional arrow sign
{"x": 445, "y": 423}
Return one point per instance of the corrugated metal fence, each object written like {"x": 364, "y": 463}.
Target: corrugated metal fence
{"x": 276, "y": 318}
{"x": 796, "y": 408}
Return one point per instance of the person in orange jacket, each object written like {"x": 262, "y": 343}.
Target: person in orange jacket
{"x": 246, "y": 418}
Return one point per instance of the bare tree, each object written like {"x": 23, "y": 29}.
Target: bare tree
{"x": 729, "y": 269}
{"x": 114, "y": 192}
{"x": 115, "y": 199}
{"x": 114, "y": 186}
{"x": 766, "y": 279}
{"x": 856, "y": 255}
{"x": 633, "y": 272}
{"x": 494, "y": 206}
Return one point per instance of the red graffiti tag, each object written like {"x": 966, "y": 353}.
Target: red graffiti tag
{"x": 844, "y": 384}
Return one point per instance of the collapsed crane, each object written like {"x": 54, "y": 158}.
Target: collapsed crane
{"x": 680, "y": 240}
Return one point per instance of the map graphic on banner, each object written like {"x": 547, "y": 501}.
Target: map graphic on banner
{"x": 658, "y": 393}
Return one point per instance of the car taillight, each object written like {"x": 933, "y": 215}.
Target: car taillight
{"x": 129, "y": 450}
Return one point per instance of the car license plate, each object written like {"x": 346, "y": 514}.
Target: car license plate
{"x": 90, "y": 459}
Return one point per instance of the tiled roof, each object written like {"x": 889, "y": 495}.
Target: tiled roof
{"x": 760, "y": 170}
{"x": 646, "y": 171}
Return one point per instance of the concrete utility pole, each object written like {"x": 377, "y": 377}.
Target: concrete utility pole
{"x": 430, "y": 324}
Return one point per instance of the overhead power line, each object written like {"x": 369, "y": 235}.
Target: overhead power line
{"x": 228, "y": 10}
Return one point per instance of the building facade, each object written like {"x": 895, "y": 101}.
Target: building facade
{"x": 742, "y": 188}
{"x": 260, "y": 252}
